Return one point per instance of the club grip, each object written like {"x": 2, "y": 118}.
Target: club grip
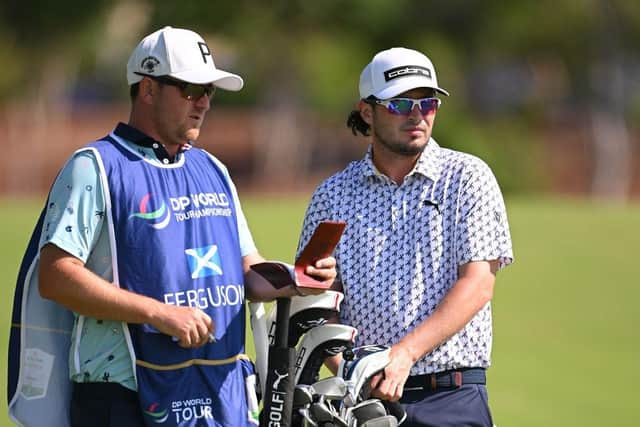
{"x": 281, "y": 339}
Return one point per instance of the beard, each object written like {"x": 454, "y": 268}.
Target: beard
{"x": 405, "y": 149}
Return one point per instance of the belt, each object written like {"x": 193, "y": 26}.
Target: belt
{"x": 447, "y": 379}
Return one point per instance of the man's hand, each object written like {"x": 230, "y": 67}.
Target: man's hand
{"x": 191, "y": 326}
{"x": 472, "y": 290}
{"x": 259, "y": 289}
{"x": 65, "y": 280}
{"x": 324, "y": 270}
{"x": 389, "y": 384}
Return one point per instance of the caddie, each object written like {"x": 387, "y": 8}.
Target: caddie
{"x": 129, "y": 308}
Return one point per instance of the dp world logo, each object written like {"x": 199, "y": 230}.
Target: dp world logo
{"x": 204, "y": 261}
{"x": 156, "y": 414}
{"x": 158, "y": 218}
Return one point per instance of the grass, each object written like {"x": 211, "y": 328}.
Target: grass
{"x": 566, "y": 344}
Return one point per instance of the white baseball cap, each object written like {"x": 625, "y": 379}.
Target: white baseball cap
{"x": 397, "y": 70}
{"x": 181, "y": 54}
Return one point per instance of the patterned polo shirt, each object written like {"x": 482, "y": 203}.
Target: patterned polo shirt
{"x": 403, "y": 244}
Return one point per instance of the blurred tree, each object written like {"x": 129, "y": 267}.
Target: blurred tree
{"x": 46, "y": 49}
{"x": 519, "y": 61}
{"x": 595, "y": 44}
{"x": 44, "y": 42}
{"x": 301, "y": 55}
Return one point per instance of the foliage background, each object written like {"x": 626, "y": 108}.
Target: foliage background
{"x": 545, "y": 91}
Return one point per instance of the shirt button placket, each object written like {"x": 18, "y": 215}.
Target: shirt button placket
{"x": 398, "y": 245}
{"x": 396, "y": 208}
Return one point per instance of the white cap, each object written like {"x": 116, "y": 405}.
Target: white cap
{"x": 181, "y": 54}
{"x": 397, "y": 70}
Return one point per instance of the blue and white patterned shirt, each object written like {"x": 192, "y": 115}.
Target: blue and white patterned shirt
{"x": 403, "y": 244}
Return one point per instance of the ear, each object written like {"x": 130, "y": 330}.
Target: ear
{"x": 147, "y": 90}
{"x": 366, "y": 112}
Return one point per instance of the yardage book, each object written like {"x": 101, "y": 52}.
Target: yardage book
{"x": 324, "y": 240}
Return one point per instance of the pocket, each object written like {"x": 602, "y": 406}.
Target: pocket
{"x": 195, "y": 393}
{"x": 484, "y": 396}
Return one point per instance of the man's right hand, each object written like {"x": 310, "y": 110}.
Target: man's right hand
{"x": 65, "y": 280}
{"x": 190, "y": 326}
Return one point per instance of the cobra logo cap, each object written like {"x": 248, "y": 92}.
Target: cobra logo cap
{"x": 180, "y": 54}
{"x": 395, "y": 71}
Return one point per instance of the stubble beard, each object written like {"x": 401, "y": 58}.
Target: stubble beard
{"x": 400, "y": 148}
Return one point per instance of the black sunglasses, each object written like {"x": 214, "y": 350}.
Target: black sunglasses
{"x": 189, "y": 91}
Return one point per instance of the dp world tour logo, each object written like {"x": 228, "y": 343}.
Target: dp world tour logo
{"x": 157, "y": 415}
{"x": 204, "y": 261}
{"x": 158, "y": 218}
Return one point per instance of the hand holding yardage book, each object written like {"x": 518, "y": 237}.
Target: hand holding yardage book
{"x": 324, "y": 240}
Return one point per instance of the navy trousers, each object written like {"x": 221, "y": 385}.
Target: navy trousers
{"x": 105, "y": 405}
{"x": 466, "y": 406}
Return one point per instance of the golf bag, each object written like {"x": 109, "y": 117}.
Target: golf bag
{"x": 342, "y": 400}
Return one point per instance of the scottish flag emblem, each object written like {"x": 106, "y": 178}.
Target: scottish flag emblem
{"x": 204, "y": 261}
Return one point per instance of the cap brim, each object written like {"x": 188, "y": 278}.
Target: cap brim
{"x": 133, "y": 78}
{"x": 404, "y": 86}
{"x": 222, "y": 79}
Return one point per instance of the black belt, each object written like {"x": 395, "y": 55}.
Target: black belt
{"x": 447, "y": 379}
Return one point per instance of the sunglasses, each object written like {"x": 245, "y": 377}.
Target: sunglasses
{"x": 404, "y": 106}
{"x": 189, "y": 91}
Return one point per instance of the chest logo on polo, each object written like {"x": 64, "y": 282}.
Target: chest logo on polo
{"x": 158, "y": 218}
{"x": 204, "y": 261}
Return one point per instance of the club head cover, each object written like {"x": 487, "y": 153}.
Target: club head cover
{"x": 306, "y": 312}
{"x": 318, "y": 344}
{"x": 367, "y": 361}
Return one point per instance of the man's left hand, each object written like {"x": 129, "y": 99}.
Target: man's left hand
{"x": 389, "y": 384}
{"x": 324, "y": 270}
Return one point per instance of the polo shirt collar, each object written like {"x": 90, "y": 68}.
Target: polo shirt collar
{"x": 137, "y": 137}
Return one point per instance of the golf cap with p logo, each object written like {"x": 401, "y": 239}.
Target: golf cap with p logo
{"x": 395, "y": 71}
{"x": 180, "y": 54}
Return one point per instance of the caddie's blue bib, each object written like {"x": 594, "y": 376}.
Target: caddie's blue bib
{"x": 176, "y": 240}
{"x": 174, "y": 237}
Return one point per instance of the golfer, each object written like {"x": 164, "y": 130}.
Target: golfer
{"x": 426, "y": 234}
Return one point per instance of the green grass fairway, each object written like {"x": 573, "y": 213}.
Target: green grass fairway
{"x": 566, "y": 345}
